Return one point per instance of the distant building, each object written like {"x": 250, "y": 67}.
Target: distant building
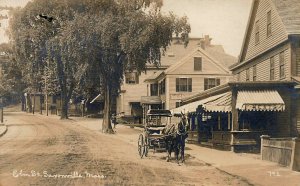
{"x": 183, "y": 72}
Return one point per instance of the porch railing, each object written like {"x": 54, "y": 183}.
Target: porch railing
{"x": 221, "y": 137}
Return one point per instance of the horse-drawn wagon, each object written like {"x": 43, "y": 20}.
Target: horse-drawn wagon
{"x": 152, "y": 137}
{"x": 160, "y": 133}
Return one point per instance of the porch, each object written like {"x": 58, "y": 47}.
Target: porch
{"x": 235, "y": 117}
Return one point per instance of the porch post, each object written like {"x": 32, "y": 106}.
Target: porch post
{"x": 234, "y": 121}
{"x": 143, "y": 106}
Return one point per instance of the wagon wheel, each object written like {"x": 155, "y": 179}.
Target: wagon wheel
{"x": 141, "y": 145}
{"x": 146, "y": 146}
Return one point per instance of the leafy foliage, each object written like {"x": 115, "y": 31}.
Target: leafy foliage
{"x": 89, "y": 44}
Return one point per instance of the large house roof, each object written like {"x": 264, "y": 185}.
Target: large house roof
{"x": 218, "y": 53}
{"x": 176, "y": 52}
{"x": 210, "y": 55}
{"x": 289, "y": 12}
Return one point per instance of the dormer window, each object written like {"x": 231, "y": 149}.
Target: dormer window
{"x": 269, "y": 24}
{"x": 198, "y": 63}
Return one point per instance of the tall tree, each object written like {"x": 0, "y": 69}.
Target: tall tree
{"x": 131, "y": 35}
{"x": 93, "y": 40}
{"x": 37, "y": 33}
{"x": 11, "y": 82}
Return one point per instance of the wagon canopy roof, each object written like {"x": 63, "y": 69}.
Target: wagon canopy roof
{"x": 156, "y": 112}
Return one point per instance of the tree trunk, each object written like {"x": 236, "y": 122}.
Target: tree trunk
{"x": 106, "y": 125}
{"x": 65, "y": 94}
{"x": 64, "y": 108}
{"x": 29, "y": 104}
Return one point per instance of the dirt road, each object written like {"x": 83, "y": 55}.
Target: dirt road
{"x": 40, "y": 151}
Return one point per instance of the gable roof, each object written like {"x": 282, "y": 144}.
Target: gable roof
{"x": 289, "y": 12}
{"x": 218, "y": 53}
{"x": 212, "y": 58}
{"x": 176, "y": 51}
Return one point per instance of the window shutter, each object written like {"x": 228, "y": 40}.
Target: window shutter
{"x": 189, "y": 85}
{"x": 177, "y": 84}
{"x": 218, "y": 82}
{"x": 205, "y": 84}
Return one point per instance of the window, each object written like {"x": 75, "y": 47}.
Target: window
{"x": 269, "y": 25}
{"x": 272, "y": 65}
{"x": 257, "y": 32}
{"x": 197, "y": 63}
{"x": 254, "y": 73}
{"x": 154, "y": 89}
{"x": 162, "y": 87}
{"x": 238, "y": 76}
{"x": 131, "y": 78}
{"x": 281, "y": 65}
{"x": 178, "y": 104}
{"x": 211, "y": 82}
{"x": 183, "y": 84}
{"x": 248, "y": 74}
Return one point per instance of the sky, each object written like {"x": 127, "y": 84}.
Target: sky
{"x": 224, "y": 20}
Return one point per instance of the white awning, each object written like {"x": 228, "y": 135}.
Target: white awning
{"x": 222, "y": 104}
{"x": 218, "y": 103}
{"x": 262, "y": 100}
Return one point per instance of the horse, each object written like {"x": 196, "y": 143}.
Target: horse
{"x": 175, "y": 135}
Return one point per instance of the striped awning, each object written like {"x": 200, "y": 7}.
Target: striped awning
{"x": 217, "y": 103}
{"x": 222, "y": 104}
{"x": 261, "y": 100}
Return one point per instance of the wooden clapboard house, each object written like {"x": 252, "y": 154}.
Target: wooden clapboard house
{"x": 264, "y": 97}
{"x": 271, "y": 49}
{"x": 183, "y": 72}
{"x": 206, "y": 66}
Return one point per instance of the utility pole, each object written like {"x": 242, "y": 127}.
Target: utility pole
{"x": 1, "y": 112}
{"x": 46, "y": 96}
{"x": 33, "y": 106}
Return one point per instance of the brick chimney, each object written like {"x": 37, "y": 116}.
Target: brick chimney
{"x": 207, "y": 40}
{"x": 204, "y": 42}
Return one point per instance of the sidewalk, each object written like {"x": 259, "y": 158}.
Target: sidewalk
{"x": 248, "y": 167}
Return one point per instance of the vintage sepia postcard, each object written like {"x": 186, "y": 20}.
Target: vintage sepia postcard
{"x": 150, "y": 92}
